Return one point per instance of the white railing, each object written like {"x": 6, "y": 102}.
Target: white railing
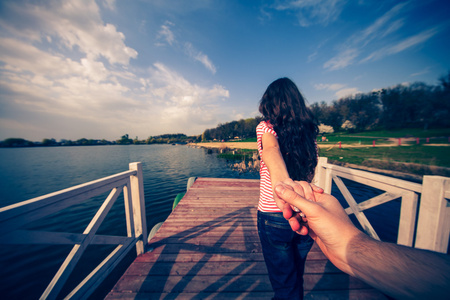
{"x": 15, "y": 217}
{"x": 431, "y": 230}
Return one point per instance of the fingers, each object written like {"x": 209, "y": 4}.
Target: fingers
{"x": 295, "y": 224}
{"x": 280, "y": 202}
{"x": 307, "y": 190}
{"x": 304, "y": 188}
{"x": 298, "y": 226}
{"x": 292, "y": 198}
{"x": 317, "y": 189}
{"x": 287, "y": 211}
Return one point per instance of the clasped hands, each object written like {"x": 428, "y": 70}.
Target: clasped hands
{"x": 297, "y": 218}
{"x": 325, "y": 219}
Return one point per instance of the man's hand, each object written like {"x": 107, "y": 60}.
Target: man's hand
{"x": 398, "y": 271}
{"x": 326, "y": 221}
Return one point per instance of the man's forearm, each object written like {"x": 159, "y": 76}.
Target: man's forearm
{"x": 399, "y": 271}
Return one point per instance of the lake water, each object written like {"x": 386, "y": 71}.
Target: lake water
{"x": 31, "y": 172}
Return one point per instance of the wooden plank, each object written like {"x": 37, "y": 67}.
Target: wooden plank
{"x": 230, "y": 283}
{"x": 366, "y": 294}
{"x": 433, "y": 226}
{"x": 213, "y": 231}
{"x": 378, "y": 200}
{"x": 139, "y": 220}
{"x": 407, "y": 223}
{"x": 207, "y": 267}
{"x": 209, "y": 248}
{"x": 184, "y": 255}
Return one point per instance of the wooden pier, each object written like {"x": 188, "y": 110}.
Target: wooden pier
{"x": 209, "y": 248}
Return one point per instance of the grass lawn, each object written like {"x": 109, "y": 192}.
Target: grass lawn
{"x": 439, "y": 136}
{"x": 407, "y": 132}
{"x": 427, "y": 155}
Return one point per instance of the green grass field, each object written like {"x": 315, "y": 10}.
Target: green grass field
{"x": 426, "y": 155}
{"x": 437, "y": 136}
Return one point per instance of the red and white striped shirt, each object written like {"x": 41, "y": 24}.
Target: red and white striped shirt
{"x": 266, "y": 202}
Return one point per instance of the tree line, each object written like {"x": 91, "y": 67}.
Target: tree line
{"x": 241, "y": 129}
{"x": 416, "y": 105}
{"x": 178, "y": 138}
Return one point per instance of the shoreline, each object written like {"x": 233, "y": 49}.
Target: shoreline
{"x": 229, "y": 145}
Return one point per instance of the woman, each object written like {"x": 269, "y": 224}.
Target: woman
{"x": 287, "y": 148}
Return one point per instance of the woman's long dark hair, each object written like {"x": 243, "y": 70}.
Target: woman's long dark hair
{"x": 283, "y": 106}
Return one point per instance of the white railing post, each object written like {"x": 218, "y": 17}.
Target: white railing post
{"x": 433, "y": 225}
{"x": 319, "y": 177}
{"x": 328, "y": 181}
{"x": 138, "y": 203}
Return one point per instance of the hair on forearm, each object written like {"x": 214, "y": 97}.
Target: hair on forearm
{"x": 399, "y": 271}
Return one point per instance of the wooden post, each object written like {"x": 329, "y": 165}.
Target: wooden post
{"x": 138, "y": 202}
{"x": 433, "y": 226}
{"x": 407, "y": 220}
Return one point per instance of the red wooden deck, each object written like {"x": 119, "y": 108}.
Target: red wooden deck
{"x": 209, "y": 248}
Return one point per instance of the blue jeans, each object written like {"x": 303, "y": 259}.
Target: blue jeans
{"x": 284, "y": 253}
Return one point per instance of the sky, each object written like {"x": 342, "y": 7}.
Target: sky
{"x": 101, "y": 69}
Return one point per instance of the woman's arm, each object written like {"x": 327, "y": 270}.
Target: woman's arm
{"x": 273, "y": 159}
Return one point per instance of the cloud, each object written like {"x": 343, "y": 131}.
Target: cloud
{"x": 312, "y": 56}
{"x": 110, "y": 4}
{"x": 347, "y": 92}
{"x": 66, "y": 74}
{"x": 342, "y": 60}
{"x": 382, "y": 35}
{"x": 381, "y": 27}
{"x": 166, "y": 33}
{"x": 180, "y": 101}
{"x": 74, "y": 25}
{"x": 330, "y": 87}
{"x": 401, "y": 45}
{"x": 199, "y": 56}
{"x": 424, "y": 71}
{"x": 339, "y": 89}
{"x": 312, "y": 12}
{"x": 173, "y": 89}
